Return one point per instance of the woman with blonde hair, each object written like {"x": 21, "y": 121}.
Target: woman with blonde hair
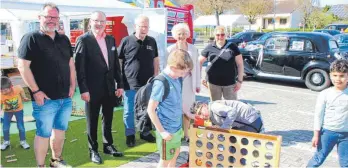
{"x": 225, "y": 68}
{"x": 191, "y": 83}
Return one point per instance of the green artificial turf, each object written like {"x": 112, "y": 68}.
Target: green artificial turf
{"x": 76, "y": 153}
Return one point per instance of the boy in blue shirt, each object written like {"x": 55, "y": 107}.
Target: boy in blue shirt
{"x": 331, "y": 117}
{"x": 166, "y": 115}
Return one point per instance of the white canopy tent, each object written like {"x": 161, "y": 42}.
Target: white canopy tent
{"x": 225, "y": 20}
{"x": 20, "y": 12}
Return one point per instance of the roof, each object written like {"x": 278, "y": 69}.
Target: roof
{"x": 340, "y": 10}
{"x": 320, "y": 39}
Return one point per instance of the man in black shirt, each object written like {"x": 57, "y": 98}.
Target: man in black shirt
{"x": 138, "y": 55}
{"x": 47, "y": 67}
{"x": 221, "y": 77}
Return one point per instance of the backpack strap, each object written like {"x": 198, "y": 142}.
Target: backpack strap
{"x": 165, "y": 82}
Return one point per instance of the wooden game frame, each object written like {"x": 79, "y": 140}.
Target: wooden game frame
{"x": 248, "y": 150}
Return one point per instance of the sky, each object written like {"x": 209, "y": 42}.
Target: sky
{"x": 332, "y": 2}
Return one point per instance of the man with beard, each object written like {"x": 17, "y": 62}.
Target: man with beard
{"x": 139, "y": 57}
{"x": 47, "y": 67}
{"x": 98, "y": 71}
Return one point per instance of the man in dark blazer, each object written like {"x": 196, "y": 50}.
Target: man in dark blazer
{"x": 99, "y": 79}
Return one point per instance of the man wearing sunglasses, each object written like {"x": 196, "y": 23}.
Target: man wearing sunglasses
{"x": 225, "y": 67}
{"x": 47, "y": 67}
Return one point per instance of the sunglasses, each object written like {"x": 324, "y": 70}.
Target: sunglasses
{"x": 221, "y": 35}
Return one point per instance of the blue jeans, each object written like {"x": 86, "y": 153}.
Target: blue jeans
{"x": 54, "y": 114}
{"x": 327, "y": 140}
{"x": 7, "y": 124}
{"x": 128, "y": 112}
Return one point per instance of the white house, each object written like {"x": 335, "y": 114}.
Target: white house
{"x": 287, "y": 15}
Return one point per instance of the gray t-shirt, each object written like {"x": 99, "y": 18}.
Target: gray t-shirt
{"x": 224, "y": 113}
{"x": 331, "y": 110}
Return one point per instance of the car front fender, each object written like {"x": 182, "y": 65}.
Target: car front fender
{"x": 315, "y": 64}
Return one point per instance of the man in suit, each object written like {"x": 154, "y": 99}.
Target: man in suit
{"x": 98, "y": 71}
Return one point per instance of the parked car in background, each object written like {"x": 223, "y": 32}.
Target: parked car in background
{"x": 337, "y": 26}
{"x": 245, "y": 37}
{"x": 256, "y": 44}
{"x": 304, "y": 56}
{"x": 342, "y": 40}
{"x": 328, "y": 31}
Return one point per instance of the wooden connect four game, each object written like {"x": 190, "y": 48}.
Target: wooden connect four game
{"x": 213, "y": 147}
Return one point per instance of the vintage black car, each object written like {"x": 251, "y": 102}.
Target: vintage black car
{"x": 304, "y": 56}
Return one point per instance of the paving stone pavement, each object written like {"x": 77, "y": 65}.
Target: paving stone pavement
{"x": 287, "y": 109}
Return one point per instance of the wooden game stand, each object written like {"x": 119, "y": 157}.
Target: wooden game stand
{"x": 215, "y": 147}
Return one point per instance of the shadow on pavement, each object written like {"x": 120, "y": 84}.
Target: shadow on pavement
{"x": 292, "y": 137}
{"x": 254, "y": 102}
{"x": 276, "y": 81}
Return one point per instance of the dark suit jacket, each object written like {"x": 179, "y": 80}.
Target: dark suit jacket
{"x": 93, "y": 74}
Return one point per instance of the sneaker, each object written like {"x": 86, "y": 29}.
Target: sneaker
{"x": 148, "y": 138}
{"x": 59, "y": 163}
{"x": 25, "y": 145}
{"x": 130, "y": 140}
{"x": 5, "y": 145}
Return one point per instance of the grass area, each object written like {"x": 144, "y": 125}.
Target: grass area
{"x": 76, "y": 153}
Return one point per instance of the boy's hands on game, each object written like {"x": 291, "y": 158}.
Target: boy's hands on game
{"x": 166, "y": 135}
{"x": 25, "y": 99}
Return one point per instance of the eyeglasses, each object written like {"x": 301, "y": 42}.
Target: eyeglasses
{"x": 99, "y": 21}
{"x": 220, "y": 35}
{"x": 143, "y": 27}
{"x": 51, "y": 17}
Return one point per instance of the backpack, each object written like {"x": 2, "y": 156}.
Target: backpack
{"x": 142, "y": 120}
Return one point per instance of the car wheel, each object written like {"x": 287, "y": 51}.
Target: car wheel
{"x": 317, "y": 80}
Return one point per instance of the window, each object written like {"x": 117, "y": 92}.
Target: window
{"x": 283, "y": 21}
{"x": 257, "y": 36}
{"x": 333, "y": 44}
{"x": 277, "y": 43}
{"x": 297, "y": 44}
{"x": 309, "y": 46}
{"x": 270, "y": 21}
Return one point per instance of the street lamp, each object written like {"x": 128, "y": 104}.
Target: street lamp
{"x": 274, "y": 14}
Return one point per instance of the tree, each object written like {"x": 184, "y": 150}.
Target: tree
{"x": 326, "y": 8}
{"x": 253, "y": 9}
{"x": 307, "y": 7}
{"x": 209, "y": 7}
{"x": 318, "y": 19}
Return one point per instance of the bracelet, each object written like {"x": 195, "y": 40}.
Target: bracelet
{"x": 240, "y": 81}
{"x": 36, "y": 92}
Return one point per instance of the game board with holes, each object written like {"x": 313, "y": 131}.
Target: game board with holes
{"x": 214, "y": 147}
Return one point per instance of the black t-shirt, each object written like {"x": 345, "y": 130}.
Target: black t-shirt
{"x": 49, "y": 62}
{"x": 223, "y": 71}
{"x": 138, "y": 57}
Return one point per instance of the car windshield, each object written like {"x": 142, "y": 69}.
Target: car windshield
{"x": 333, "y": 44}
{"x": 264, "y": 37}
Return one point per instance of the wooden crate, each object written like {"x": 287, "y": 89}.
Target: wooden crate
{"x": 214, "y": 147}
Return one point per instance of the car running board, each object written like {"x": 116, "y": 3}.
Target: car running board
{"x": 269, "y": 75}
